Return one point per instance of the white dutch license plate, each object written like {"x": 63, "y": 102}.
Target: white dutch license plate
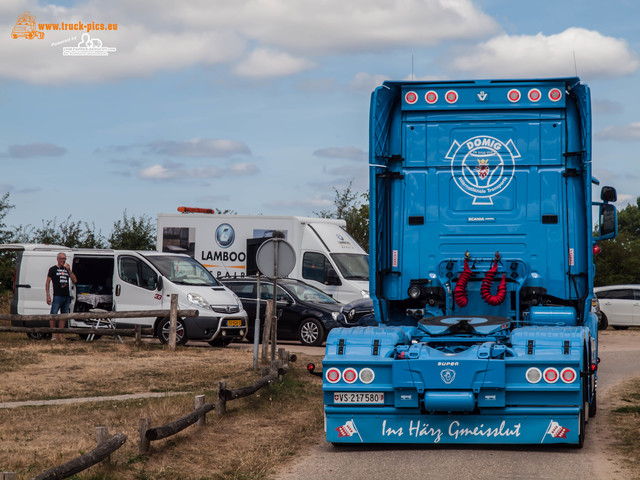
{"x": 359, "y": 397}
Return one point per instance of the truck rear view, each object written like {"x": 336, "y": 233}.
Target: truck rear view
{"x": 481, "y": 269}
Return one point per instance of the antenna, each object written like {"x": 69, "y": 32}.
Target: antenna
{"x": 575, "y": 64}
{"x": 412, "y": 67}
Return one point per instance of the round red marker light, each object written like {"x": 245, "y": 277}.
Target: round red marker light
{"x": 596, "y": 249}
{"x": 551, "y": 375}
{"x": 534, "y": 95}
{"x": 514, "y": 95}
{"x": 411, "y": 97}
{"x": 568, "y": 375}
{"x": 333, "y": 375}
{"x": 431, "y": 97}
{"x": 350, "y": 375}
{"x": 555, "y": 95}
{"x": 451, "y": 96}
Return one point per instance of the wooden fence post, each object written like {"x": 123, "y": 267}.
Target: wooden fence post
{"x": 138, "y": 335}
{"x": 197, "y": 403}
{"x": 173, "y": 321}
{"x": 221, "y": 406}
{"x": 7, "y": 476}
{"x": 144, "y": 445}
{"x": 102, "y": 435}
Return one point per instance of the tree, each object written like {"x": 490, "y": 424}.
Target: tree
{"x": 354, "y": 211}
{"x": 619, "y": 260}
{"x": 70, "y": 233}
{"x": 133, "y": 234}
{"x": 7, "y": 260}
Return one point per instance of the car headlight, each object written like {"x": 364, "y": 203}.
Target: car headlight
{"x": 198, "y": 300}
{"x": 364, "y": 293}
{"x": 237, "y": 299}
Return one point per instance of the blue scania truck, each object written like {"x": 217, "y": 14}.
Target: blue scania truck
{"x": 481, "y": 269}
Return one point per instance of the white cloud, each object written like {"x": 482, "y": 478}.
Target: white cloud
{"x": 176, "y": 171}
{"x": 350, "y": 152}
{"x": 367, "y": 82}
{"x": 285, "y": 36}
{"x": 540, "y": 55}
{"x": 40, "y": 149}
{"x": 630, "y": 132}
{"x": 199, "y": 147}
{"x": 267, "y": 62}
{"x": 245, "y": 168}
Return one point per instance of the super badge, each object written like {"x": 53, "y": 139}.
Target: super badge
{"x": 482, "y": 166}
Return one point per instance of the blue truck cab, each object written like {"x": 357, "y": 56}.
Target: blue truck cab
{"x": 481, "y": 269}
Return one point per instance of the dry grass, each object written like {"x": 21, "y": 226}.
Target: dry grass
{"x": 257, "y": 434}
{"x": 625, "y": 419}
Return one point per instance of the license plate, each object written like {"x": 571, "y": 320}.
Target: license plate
{"x": 234, "y": 323}
{"x": 371, "y": 398}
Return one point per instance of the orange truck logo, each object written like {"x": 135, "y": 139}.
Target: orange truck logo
{"x": 26, "y": 27}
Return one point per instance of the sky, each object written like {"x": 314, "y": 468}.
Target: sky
{"x": 261, "y": 106}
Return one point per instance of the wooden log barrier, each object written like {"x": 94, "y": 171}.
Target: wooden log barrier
{"x": 123, "y": 332}
{"x": 92, "y": 315}
{"x": 79, "y": 464}
{"x": 158, "y": 433}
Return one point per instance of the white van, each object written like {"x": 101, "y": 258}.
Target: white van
{"x": 327, "y": 257}
{"x": 123, "y": 280}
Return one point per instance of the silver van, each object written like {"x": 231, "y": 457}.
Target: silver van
{"x": 124, "y": 280}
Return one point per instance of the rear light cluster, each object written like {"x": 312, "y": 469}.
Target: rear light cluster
{"x": 551, "y": 375}
{"x": 514, "y": 95}
{"x": 349, "y": 375}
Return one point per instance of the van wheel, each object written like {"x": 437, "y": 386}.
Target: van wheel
{"x": 311, "y": 332}
{"x": 162, "y": 331}
{"x": 39, "y": 336}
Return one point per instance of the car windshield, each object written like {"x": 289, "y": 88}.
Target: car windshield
{"x": 183, "y": 270}
{"x": 352, "y": 266}
{"x": 307, "y": 293}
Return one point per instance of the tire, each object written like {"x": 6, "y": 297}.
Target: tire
{"x": 162, "y": 331}
{"x": 583, "y": 425}
{"x": 593, "y": 406}
{"x": 604, "y": 322}
{"x": 311, "y": 332}
{"x": 39, "y": 336}
{"x": 85, "y": 337}
{"x": 220, "y": 342}
{"x": 620, "y": 327}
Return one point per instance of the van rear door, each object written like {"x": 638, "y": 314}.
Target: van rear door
{"x": 32, "y": 265}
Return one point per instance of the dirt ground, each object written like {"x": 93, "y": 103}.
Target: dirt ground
{"x": 256, "y": 434}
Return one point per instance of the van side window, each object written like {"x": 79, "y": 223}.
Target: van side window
{"x": 315, "y": 266}
{"x": 134, "y": 271}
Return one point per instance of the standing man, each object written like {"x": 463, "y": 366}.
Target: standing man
{"x": 59, "y": 275}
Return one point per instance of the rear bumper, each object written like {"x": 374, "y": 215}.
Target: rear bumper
{"x": 562, "y": 427}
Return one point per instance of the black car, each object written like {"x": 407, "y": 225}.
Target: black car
{"x": 304, "y": 312}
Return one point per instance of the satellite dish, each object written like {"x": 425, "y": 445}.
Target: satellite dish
{"x": 276, "y": 258}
